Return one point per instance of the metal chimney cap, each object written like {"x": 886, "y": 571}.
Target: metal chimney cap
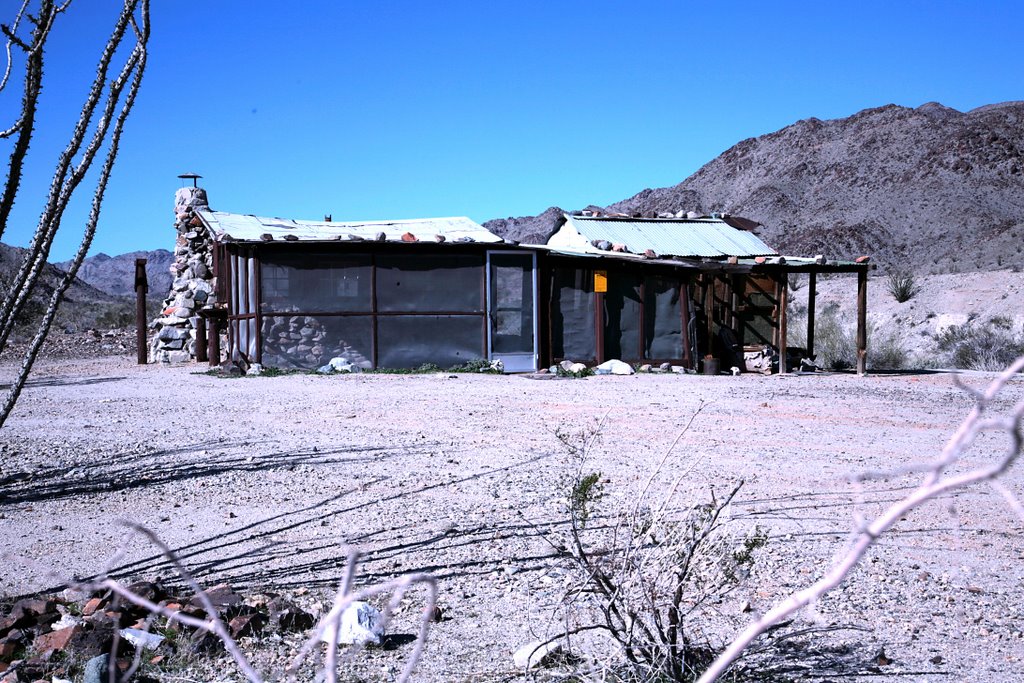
{"x": 194, "y": 177}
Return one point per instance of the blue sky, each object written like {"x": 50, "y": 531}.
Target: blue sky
{"x": 487, "y": 109}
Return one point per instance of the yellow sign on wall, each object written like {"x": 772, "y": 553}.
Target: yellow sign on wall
{"x": 600, "y": 281}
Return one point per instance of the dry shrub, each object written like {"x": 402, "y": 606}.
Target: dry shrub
{"x": 646, "y": 572}
{"x": 991, "y": 345}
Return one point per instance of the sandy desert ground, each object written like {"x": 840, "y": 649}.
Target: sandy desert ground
{"x": 261, "y": 482}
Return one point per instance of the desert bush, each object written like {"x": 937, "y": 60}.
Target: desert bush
{"x": 646, "y": 572}
{"x": 989, "y": 345}
{"x": 902, "y": 286}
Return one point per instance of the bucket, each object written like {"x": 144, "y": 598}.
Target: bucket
{"x": 710, "y": 366}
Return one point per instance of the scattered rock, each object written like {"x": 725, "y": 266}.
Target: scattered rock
{"x": 536, "y": 654}
{"x": 97, "y": 670}
{"x": 286, "y": 616}
{"x": 614, "y": 367}
{"x": 142, "y": 639}
{"x": 247, "y": 624}
{"x": 360, "y": 624}
{"x": 56, "y": 640}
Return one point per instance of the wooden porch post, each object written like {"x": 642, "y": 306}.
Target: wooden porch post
{"x": 709, "y": 311}
{"x": 812, "y": 291}
{"x": 862, "y": 321}
{"x": 141, "y": 288}
{"x": 783, "y": 302}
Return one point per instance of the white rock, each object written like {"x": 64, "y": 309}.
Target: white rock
{"x": 614, "y": 367}
{"x": 341, "y": 364}
{"x": 536, "y": 654}
{"x": 255, "y": 370}
{"x": 577, "y": 368}
{"x": 66, "y": 621}
{"x": 361, "y": 623}
{"x": 140, "y": 638}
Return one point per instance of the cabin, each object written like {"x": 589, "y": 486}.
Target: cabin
{"x": 699, "y": 292}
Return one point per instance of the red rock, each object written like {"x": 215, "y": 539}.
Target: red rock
{"x": 56, "y": 640}
{"x": 7, "y": 649}
{"x": 246, "y": 624}
{"x": 220, "y": 596}
{"x": 409, "y": 237}
{"x": 862, "y": 259}
{"x": 90, "y": 607}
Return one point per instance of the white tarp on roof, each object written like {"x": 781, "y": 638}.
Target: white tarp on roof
{"x": 245, "y": 228}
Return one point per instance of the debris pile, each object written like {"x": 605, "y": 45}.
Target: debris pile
{"x": 73, "y": 634}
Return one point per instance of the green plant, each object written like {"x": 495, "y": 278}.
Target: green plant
{"x": 579, "y": 374}
{"x": 584, "y": 492}
{"x": 902, "y": 286}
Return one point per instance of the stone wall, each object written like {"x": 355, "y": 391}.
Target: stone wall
{"x": 174, "y": 337}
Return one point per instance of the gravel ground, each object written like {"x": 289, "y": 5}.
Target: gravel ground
{"x": 261, "y": 481}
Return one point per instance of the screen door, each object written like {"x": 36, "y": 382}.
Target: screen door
{"x": 512, "y": 309}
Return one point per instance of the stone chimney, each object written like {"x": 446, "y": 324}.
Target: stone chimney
{"x": 174, "y": 339}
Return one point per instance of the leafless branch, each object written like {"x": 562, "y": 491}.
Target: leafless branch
{"x": 934, "y": 484}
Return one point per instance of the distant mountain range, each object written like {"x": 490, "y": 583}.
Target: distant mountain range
{"x": 929, "y": 189}
{"x": 116, "y": 274}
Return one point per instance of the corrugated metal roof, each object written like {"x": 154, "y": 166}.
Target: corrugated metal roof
{"x": 700, "y": 237}
{"x": 245, "y": 228}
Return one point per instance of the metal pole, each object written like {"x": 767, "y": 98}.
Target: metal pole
{"x": 141, "y": 287}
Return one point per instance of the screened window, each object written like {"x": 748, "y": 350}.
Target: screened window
{"x": 622, "y": 316}
{"x": 663, "y": 339}
{"x": 408, "y": 341}
{"x": 444, "y": 283}
{"x": 572, "y": 313}
{"x": 311, "y": 283}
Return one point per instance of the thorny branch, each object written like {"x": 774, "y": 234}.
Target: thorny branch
{"x": 74, "y": 163}
{"x": 935, "y": 483}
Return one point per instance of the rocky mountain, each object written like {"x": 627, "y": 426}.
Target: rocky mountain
{"x": 116, "y": 274}
{"x": 929, "y": 189}
{"x": 84, "y": 306}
